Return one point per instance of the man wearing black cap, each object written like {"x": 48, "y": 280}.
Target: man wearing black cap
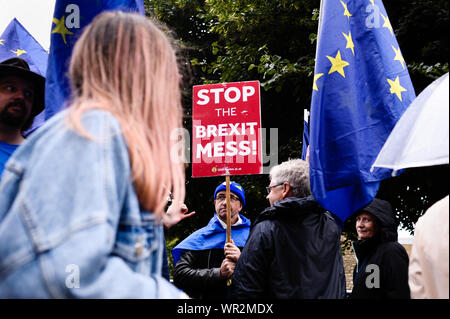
{"x": 21, "y": 99}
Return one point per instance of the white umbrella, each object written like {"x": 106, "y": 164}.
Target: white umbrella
{"x": 420, "y": 137}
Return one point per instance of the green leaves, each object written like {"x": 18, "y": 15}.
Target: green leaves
{"x": 250, "y": 41}
{"x": 215, "y": 48}
{"x": 430, "y": 71}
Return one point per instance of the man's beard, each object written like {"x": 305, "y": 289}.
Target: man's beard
{"x": 14, "y": 119}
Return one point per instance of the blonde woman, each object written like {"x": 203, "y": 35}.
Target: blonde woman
{"x": 81, "y": 201}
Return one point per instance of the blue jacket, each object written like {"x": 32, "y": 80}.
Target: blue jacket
{"x": 70, "y": 221}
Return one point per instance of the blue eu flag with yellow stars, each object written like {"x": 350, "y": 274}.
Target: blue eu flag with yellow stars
{"x": 69, "y": 19}
{"x": 361, "y": 88}
{"x": 17, "y": 42}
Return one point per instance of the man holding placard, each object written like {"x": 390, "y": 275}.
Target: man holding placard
{"x": 204, "y": 263}
{"x": 226, "y": 141}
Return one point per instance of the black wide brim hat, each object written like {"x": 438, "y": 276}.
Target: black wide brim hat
{"x": 20, "y": 68}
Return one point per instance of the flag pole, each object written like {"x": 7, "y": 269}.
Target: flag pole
{"x": 227, "y": 194}
{"x": 319, "y": 25}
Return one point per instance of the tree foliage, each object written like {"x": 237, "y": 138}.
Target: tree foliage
{"x": 274, "y": 41}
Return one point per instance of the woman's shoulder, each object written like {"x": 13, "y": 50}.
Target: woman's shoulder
{"x": 93, "y": 121}
{"x": 58, "y": 138}
{"x": 97, "y": 120}
{"x": 391, "y": 249}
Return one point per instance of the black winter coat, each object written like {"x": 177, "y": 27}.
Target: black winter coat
{"x": 198, "y": 274}
{"x": 382, "y": 268}
{"x": 293, "y": 251}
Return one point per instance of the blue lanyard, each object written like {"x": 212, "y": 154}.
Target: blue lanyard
{"x": 359, "y": 270}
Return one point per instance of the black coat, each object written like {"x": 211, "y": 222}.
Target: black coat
{"x": 382, "y": 268}
{"x": 198, "y": 274}
{"x": 293, "y": 251}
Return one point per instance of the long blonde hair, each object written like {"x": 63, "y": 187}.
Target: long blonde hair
{"x": 124, "y": 64}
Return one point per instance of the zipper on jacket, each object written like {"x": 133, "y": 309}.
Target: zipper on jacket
{"x": 356, "y": 257}
{"x": 356, "y": 274}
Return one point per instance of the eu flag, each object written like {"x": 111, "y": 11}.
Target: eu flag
{"x": 69, "y": 19}
{"x": 361, "y": 88}
{"x": 17, "y": 42}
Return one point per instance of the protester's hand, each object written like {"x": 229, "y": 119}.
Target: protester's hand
{"x": 227, "y": 268}
{"x": 175, "y": 213}
{"x": 232, "y": 251}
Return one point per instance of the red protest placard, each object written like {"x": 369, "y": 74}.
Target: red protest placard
{"x": 226, "y": 129}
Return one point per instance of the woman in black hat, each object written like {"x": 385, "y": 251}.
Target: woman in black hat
{"x": 381, "y": 271}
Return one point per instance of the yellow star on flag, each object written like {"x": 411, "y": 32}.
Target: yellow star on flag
{"x": 398, "y": 56}
{"x": 316, "y": 77}
{"x": 346, "y": 12}
{"x": 349, "y": 39}
{"x": 337, "y": 64}
{"x": 60, "y": 27}
{"x": 396, "y": 87}
{"x": 372, "y": 2}
{"x": 2, "y": 41}
{"x": 19, "y": 52}
{"x": 387, "y": 24}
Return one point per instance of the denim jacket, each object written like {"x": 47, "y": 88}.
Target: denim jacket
{"x": 70, "y": 222}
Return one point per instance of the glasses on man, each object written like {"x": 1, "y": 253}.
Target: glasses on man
{"x": 222, "y": 197}
{"x": 269, "y": 188}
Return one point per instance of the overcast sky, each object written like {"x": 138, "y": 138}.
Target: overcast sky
{"x": 34, "y": 15}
